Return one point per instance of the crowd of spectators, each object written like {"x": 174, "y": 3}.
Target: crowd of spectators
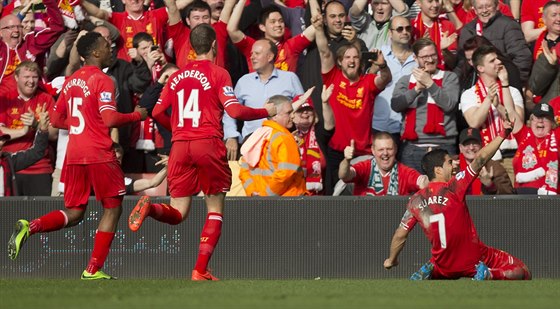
{"x": 387, "y": 81}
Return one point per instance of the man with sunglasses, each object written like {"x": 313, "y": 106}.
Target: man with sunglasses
{"x": 399, "y": 58}
{"x": 374, "y": 29}
{"x": 428, "y": 100}
{"x": 18, "y": 48}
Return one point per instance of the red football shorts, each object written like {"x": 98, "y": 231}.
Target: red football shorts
{"x": 496, "y": 258}
{"x": 198, "y": 165}
{"x": 107, "y": 180}
{"x": 492, "y": 257}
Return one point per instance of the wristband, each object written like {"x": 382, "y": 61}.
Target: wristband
{"x": 505, "y": 86}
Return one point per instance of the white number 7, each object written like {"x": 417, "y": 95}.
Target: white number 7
{"x": 440, "y": 219}
{"x": 190, "y": 109}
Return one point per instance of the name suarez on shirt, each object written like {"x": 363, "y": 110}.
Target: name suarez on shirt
{"x": 438, "y": 199}
{"x": 191, "y": 74}
{"x": 79, "y": 83}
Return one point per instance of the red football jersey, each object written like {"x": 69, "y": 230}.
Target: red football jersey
{"x": 13, "y": 106}
{"x": 442, "y": 212}
{"x": 533, "y": 11}
{"x": 407, "y": 177}
{"x": 184, "y": 52}
{"x": 197, "y": 95}
{"x": 84, "y": 95}
{"x": 152, "y": 22}
{"x": 352, "y": 105}
{"x": 288, "y": 52}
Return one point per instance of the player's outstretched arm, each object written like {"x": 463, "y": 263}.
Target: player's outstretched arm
{"x": 488, "y": 151}
{"x": 241, "y": 112}
{"x": 397, "y": 244}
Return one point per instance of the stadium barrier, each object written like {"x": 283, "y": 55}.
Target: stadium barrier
{"x": 269, "y": 238}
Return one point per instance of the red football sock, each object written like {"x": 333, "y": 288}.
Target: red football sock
{"x": 53, "y": 221}
{"x": 165, "y": 213}
{"x": 101, "y": 247}
{"x": 208, "y": 240}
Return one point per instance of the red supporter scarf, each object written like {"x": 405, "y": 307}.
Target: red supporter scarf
{"x": 311, "y": 159}
{"x": 479, "y": 27}
{"x": 538, "y": 46}
{"x": 146, "y": 139}
{"x": 492, "y": 124}
{"x": 476, "y": 186}
{"x": 434, "y": 121}
{"x": 435, "y": 35}
{"x": 6, "y": 175}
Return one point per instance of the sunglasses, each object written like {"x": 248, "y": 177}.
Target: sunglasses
{"x": 401, "y": 29}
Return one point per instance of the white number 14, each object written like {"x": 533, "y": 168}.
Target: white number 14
{"x": 190, "y": 109}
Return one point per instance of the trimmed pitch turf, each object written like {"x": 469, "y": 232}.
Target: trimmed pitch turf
{"x": 264, "y": 294}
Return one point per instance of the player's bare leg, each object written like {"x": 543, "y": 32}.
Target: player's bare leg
{"x": 173, "y": 213}
{"x": 210, "y": 236}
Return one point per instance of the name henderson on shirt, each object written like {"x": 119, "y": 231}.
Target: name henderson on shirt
{"x": 193, "y": 74}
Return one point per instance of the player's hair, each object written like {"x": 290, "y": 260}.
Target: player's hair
{"x": 273, "y": 48}
{"x": 202, "y": 36}
{"x": 421, "y": 43}
{"x": 548, "y": 5}
{"x": 329, "y": 3}
{"x": 141, "y": 37}
{"x": 481, "y": 52}
{"x": 28, "y": 65}
{"x": 88, "y": 43}
{"x": 266, "y": 11}
{"x": 197, "y": 5}
{"x": 433, "y": 159}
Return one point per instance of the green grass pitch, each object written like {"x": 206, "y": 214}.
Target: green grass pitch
{"x": 264, "y": 294}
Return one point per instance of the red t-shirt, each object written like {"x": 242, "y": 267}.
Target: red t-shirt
{"x": 85, "y": 94}
{"x": 444, "y": 217}
{"x": 408, "y": 178}
{"x": 182, "y": 44}
{"x": 13, "y": 106}
{"x": 152, "y": 22}
{"x": 533, "y": 11}
{"x": 197, "y": 95}
{"x": 288, "y": 52}
{"x": 352, "y": 105}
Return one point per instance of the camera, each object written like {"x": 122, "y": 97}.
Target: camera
{"x": 154, "y": 47}
{"x": 369, "y": 56}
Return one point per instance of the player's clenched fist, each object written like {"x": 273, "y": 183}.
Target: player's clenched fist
{"x": 349, "y": 151}
{"x": 143, "y": 112}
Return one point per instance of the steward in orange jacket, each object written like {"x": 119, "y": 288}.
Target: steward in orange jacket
{"x": 271, "y": 164}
